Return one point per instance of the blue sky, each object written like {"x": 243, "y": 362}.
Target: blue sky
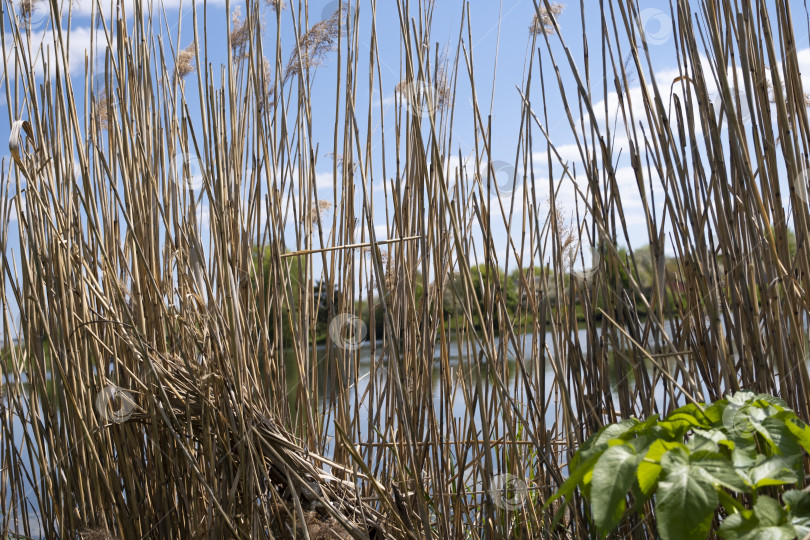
{"x": 500, "y": 41}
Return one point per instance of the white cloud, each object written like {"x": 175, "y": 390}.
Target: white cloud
{"x": 387, "y": 102}
{"x": 381, "y": 231}
{"x": 567, "y": 152}
{"x": 45, "y": 46}
{"x": 43, "y": 39}
{"x": 324, "y": 180}
{"x": 86, "y": 6}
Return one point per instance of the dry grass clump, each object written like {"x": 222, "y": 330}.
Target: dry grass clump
{"x": 26, "y": 7}
{"x": 772, "y": 93}
{"x": 267, "y": 73}
{"x": 269, "y": 98}
{"x": 428, "y": 97}
{"x": 325, "y": 529}
{"x": 315, "y": 44}
{"x": 392, "y": 276}
{"x": 444, "y": 92}
{"x": 542, "y": 22}
{"x": 276, "y": 5}
{"x": 185, "y": 62}
{"x": 103, "y": 102}
{"x": 369, "y": 252}
{"x": 316, "y": 212}
{"x": 341, "y": 164}
{"x": 567, "y": 236}
{"x": 240, "y": 35}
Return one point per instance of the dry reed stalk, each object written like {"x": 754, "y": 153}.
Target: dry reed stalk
{"x": 170, "y": 379}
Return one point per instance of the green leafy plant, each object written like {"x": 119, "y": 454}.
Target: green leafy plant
{"x": 726, "y": 454}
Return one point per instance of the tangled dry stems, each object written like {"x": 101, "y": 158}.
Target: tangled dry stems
{"x": 250, "y": 420}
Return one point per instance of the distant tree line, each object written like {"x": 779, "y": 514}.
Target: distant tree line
{"x": 520, "y": 290}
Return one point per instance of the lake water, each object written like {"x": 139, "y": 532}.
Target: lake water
{"x": 370, "y": 410}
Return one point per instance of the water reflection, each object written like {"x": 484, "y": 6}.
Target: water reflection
{"x": 457, "y": 377}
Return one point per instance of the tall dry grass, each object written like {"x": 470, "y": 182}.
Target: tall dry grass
{"x": 153, "y": 393}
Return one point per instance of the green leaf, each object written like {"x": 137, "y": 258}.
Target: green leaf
{"x": 777, "y": 433}
{"x": 797, "y": 502}
{"x": 573, "y": 479}
{"x": 737, "y": 422}
{"x": 745, "y": 456}
{"x": 773, "y": 400}
{"x": 737, "y": 526}
{"x": 684, "y": 418}
{"x": 799, "y": 429}
{"x": 798, "y": 507}
{"x": 599, "y": 441}
{"x": 612, "y": 477}
{"x": 642, "y": 427}
{"x": 766, "y": 521}
{"x": 741, "y": 444}
{"x": 729, "y": 503}
{"x": 685, "y": 501}
{"x": 704, "y": 441}
{"x": 772, "y": 471}
{"x": 801, "y": 526}
{"x": 735, "y": 529}
{"x": 717, "y": 436}
{"x": 768, "y": 511}
{"x": 714, "y": 413}
{"x": 742, "y": 397}
{"x": 650, "y": 466}
{"x": 720, "y": 472}
{"x": 690, "y": 413}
